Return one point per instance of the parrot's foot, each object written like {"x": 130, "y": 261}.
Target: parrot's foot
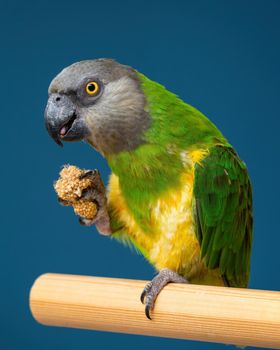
{"x": 97, "y": 194}
{"x": 153, "y": 288}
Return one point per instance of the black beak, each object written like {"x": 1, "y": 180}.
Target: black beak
{"x": 62, "y": 121}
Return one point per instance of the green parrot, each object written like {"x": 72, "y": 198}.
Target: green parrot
{"x": 178, "y": 191}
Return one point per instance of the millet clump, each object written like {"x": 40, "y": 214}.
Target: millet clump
{"x": 69, "y": 188}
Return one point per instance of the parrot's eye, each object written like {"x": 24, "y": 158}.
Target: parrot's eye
{"x": 92, "y": 88}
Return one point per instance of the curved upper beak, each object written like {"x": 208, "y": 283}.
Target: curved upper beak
{"x": 62, "y": 120}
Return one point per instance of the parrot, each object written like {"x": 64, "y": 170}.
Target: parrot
{"x": 178, "y": 192}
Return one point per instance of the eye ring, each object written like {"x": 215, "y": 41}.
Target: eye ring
{"x": 92, "y": 88}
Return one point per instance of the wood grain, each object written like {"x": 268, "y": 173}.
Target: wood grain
{"x": 214, "y": 314}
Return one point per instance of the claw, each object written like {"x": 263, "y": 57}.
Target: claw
{"x": 85, "y": 191}
{"x": 81, "y": 221}
{"x": 146, "y": 290}
{"x": 85, "y": 222}
{"x": 63, "y": 202}
{"x": 90, "y": 173}
{"x": 142, "y": 296}
{"x": 147, "y": 312}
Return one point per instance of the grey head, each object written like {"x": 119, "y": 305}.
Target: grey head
{"x": 99, "y": 101}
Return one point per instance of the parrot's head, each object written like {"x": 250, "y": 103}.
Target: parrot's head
{"x": 99, "y": 101}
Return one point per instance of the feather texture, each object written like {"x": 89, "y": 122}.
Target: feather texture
{"x": 223, "y": 208}
{"x": 183, "y": 197}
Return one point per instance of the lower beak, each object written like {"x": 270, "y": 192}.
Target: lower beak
{"x": 62, "y": 121}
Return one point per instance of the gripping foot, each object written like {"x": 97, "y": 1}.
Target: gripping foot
{"x": 153, "y": 288}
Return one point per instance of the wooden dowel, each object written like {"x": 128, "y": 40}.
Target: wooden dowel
{"x": 214, "y": 314}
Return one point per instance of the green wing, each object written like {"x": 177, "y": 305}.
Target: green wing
{"x": 223, "y": 211}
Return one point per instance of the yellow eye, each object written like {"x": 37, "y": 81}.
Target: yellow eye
{"x": 92, "y": 88}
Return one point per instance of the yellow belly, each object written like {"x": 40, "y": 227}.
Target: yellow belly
{"x": 172, "y": 241}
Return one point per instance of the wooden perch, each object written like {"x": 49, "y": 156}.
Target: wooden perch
{"x": 214, "y": 314}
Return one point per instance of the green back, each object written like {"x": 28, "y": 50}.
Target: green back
{"x": 223, "y": 210}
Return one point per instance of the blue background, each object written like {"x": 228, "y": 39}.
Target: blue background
{"x": 220, "y": 56}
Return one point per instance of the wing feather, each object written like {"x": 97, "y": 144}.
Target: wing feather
{"x": 223, "y": 211}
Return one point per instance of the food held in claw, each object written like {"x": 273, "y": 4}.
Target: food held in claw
{"x": 71, "y": 186}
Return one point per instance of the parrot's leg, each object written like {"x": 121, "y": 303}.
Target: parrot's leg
{"x": 97, "y": 194}
{"x": 153, "y": 288}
